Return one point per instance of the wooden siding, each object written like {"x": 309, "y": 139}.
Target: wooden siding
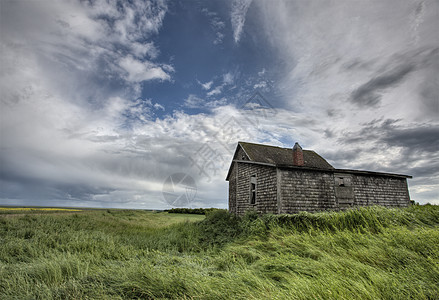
{"x": 376, "y": 190}
{"x": 307, "y": 191}
{"x": 265, "y": 188}
{"x": 286, "y": 190}
{"x": 232, "y": 189}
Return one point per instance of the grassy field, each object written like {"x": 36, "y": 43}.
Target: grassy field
{"x": 372, "y": 253}
{"x": 32, "y": 210}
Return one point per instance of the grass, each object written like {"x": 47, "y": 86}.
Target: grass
{"x": 20, "y": 210}
{"x": 370, "y": 253}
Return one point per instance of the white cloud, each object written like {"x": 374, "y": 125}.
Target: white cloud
{"x": 228, "y": 78}
{"x": 262, "y": 72}
{"x": 219, "y": 38}
{"x": 217, "y": 103}
{"x": 135, "y": 20}
{"x": 159, "y": 106}
{"x": 216, "y": 91}
{"x": 142, "y": 49}
{"x": 207, "y": 85}
{"x": 239, "y": 10}
{"x": 193, "y": 101}
{"x": 260, "y": 85}
{"x": 143, "y": 70}
{"x": 216, "y": 24}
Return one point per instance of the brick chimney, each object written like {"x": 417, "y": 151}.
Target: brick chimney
{"x": 298, "y": 155}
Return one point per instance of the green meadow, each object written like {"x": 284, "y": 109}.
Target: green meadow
{"x": 368, "y": 253}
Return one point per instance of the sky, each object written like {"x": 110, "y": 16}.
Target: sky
{"x": 140, "y": 104}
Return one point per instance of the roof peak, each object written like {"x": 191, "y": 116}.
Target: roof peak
{"x": 265, "y": 145}
{"x": 282, "y": 156}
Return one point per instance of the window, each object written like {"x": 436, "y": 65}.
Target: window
{"x": 344, "y": 190}
{"x": 341, "y": 181}
{"x": 253, "y": 189}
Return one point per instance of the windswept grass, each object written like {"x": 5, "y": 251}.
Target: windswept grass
{"x": 370, "y": 253}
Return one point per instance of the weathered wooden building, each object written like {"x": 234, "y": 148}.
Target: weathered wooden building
{"x": 277, "y": 180}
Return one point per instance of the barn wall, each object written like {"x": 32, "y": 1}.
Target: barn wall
{"x": 290, "y": 191}
{"x": 380, "y": 190}
{"x": 310, "y": 191}
{"x": 232, "y": 189}
{"x": 266, "y": 201}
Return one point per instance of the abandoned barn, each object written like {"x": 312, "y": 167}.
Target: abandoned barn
{"x": 277, "y": 180}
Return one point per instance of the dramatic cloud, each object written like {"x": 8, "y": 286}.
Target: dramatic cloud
{"x": 94, "y": 157}
{"x": 100, "y": 101}
{"x": 392, "y": 146}
{"x": 354, "y": 52}
{"x": 69, "y": 95}
{"x": 369, "y": 94}
{"x": 351, "y": 65}
{"x": 100, "y": 39}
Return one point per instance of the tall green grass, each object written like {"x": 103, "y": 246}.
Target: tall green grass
{"x": 369, "y": 253}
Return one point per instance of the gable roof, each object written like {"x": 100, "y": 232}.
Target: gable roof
{"x": 282, "y": 156}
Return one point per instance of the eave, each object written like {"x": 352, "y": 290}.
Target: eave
{"x": 346, "y": 171}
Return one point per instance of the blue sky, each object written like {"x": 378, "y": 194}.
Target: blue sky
{"x": 103, "y": 102}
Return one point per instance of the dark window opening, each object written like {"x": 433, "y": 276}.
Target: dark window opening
{"x": 253, "y": 189}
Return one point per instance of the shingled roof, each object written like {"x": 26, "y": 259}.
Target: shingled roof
{"x": 282, "y": 156}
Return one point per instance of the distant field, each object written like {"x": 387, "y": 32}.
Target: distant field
{"x": 21, "y": 210}
{"x": 372, "y": 253}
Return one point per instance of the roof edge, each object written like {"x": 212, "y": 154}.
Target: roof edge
{"x": 233, "y": 160}
{"x": 359, "y": 172}
{"x": 372, "y": 173}
{"x": 243, "y": 149}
